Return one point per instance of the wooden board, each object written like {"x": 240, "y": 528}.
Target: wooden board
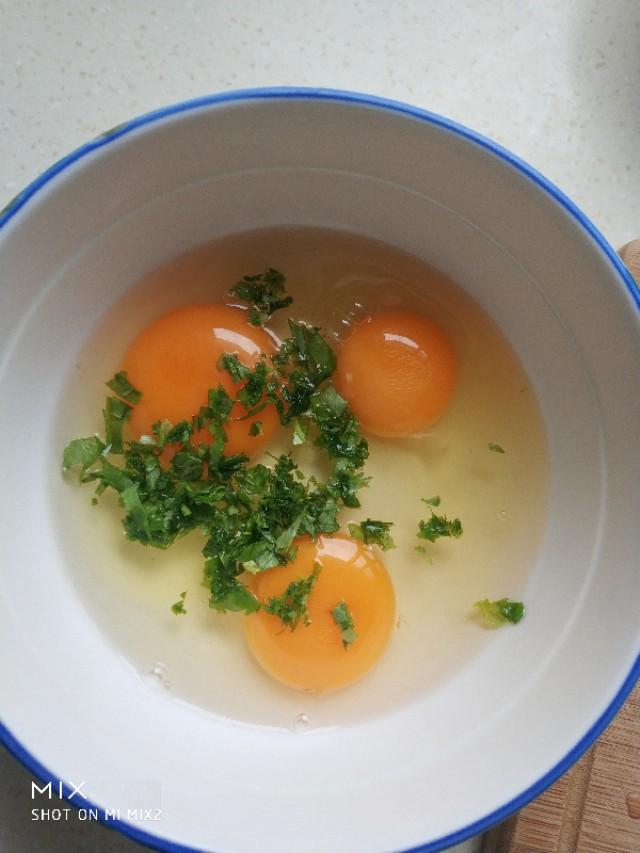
{"x": 594, "y": 808}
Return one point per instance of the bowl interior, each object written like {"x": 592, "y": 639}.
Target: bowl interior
{"x": 434, "y": 767}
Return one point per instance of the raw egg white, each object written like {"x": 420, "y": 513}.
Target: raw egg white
{"x": 337, "y": 281}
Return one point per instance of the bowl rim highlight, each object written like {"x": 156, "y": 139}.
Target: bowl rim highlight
{"x": 18, "y": 750}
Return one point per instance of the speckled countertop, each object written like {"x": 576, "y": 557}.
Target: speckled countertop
{"x": 556, "y": 81}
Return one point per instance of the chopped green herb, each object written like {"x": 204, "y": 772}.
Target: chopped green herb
{"x": 164, "y": 432}
{"x": 218, "y": 408}
{"x": 497, "y": 613}
{"x": 264, "y": 293}
{"x": 344, "y": 621}
{"x": 234, "y": 367}
{"x": 373, "y": 532}
{"x": 307, "y": 349}
{"x": 82, "y": 451}
{"x": 187, "y": 466}
{"x": 496, "y": 448}
{"x": 299, "y": 433}
{"x": 227, "y": 593}
{"x": 302, "y": 363}
{"x": 121, "y": 386}
{"x": 178, "y": 608}
{"x": 291, "y": 606}
{"x": 252, "y": 393}
{"x": 339, "y": 430}
{"x": 261, "y": 514}
{"x": 438, "y": 526}
{"x": 435, "y": 501}
{"x": 115, "y": 413}
{"x": 250, "y": 514}
{"x": 346, "y": 482}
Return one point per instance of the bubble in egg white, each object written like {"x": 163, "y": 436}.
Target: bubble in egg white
{"x": 353, "y": 298}
{"x": 301, "y": 723}
{"x": 156, "y": 677}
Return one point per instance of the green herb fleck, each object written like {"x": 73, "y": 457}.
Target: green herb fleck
{"x": 234, "y": 367}
{"x": 115, "y": 413}
{"x": 218, "y": 408}
{"x": 178, "y": 608}
{"x": 373, "y": 532}
{"x": 249, "y": 514}
{"x": 435, "y": 501}
{"x": 121, "y": 386}
{"x": 255, "y": 428}
{"x": 302, "y": 363}
{"x": 496, "y": 448}
{"x": 299, "y": 433}
{"x": 438, "y": 526}
{"x": 187, "y": 466}
{"x": 340, "y": 433}
{"x": 344, "y": 621}
{"x": 82, "y": 451}
{"x": 497, "y": 613}
{"x": 164, "y": 432}
{"x": 264, "y": 293}
{"x": 291, "y": 606}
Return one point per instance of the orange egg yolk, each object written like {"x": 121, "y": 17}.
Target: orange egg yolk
{"x": 397, "y": 369}
{"x": 174, "y": 362}
{"x": 312, "y": 657}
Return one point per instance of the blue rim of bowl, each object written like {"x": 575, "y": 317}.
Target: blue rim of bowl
{"x": 320, "y": 94}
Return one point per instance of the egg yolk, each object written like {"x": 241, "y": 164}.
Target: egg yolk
{"x": 312, "y": 657}
{"x": 397, "y": 369}
{"x": 174, "y": 362}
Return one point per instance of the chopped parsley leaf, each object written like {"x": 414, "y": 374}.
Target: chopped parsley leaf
{"x": 344, "y": 621}
{"x": 164, "y": 432}
{"x": 218, "y": 408}
{"x": 82, "y": 451}
{"x": 122, "y": 388}
{"x": 339, "y": 430}
{"x": 178, "y": 608}
{"x": 291, "y": 606}
{"x": 435, "y": 501}
{"x": 187, "y": 466}
{"x": 373, "y": 532}
{"x": 302, "y": 363}
{"x": 250, "y": 514}
{"x": 252, "y": 393}
{"x": 115, "y": 413}
{"x": 264, "y": 293}
{"x": 308, "y": 349}
{"x": 438, "y": 526}
{"x": 496, "y": 448}
{"x": 255, "y": 428}
{"x": 235, "y": 368}
{"x": 497, "y": 613}
{"x": 299, "y": 433}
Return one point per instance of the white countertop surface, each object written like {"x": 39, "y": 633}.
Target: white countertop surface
{"x": 555, "y": 81}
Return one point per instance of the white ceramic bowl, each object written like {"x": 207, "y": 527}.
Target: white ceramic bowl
{"x": 452, "y": 762}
